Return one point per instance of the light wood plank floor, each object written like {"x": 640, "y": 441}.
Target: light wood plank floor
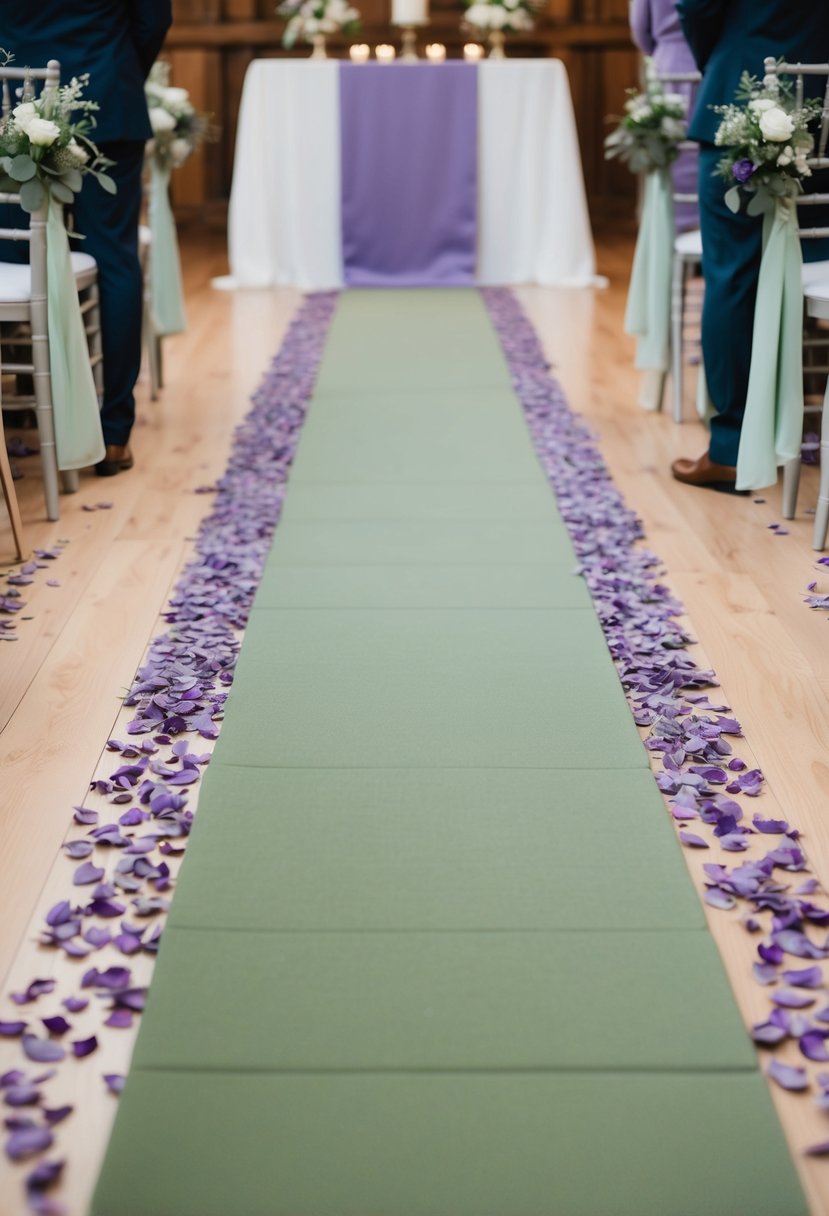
{"x": 82, "y": 640}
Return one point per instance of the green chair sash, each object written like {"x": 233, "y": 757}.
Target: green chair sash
{"x": 648, "y": 312}
{"x": 167, "y": 295}
{"x": 78, "y": 438}
{"x": 772, "y": 429}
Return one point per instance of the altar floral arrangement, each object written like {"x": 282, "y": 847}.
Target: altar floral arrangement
{"x": 500, "y": 15}
{"x": 766, "y": 140}
{"x": 178, "y": 127}
{"x": 308, "y": 18}
{"x": 654, "y": 125}
{"x": 46, "y": 148}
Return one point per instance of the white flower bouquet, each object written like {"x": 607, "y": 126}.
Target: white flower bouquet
{"x": 178, "y": 127}
{"x": 649, "y": 136}
{"x": 45, "y": 146}
{"x": 308, "y": 18}
{"x": 766, "y": 140}
{"x": 500, "y": 15}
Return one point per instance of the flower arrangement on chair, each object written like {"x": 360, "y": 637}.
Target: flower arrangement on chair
{"x": 499, "y": 17}
{"x": 766, "y": 140}
{"x": 648, "y": 140}
{"x": 178, "y": 127}
{"x": 653, "y": 128}
{"x": 312, "y": 20}
{"x": 46, "y": 151}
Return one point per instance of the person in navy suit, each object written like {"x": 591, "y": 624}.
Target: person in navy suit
{"x": 116, "y": 42}
{"x": 727, "y": 38}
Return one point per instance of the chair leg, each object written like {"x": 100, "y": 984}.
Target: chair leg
{"x": 791, "y": 484}
{"x": 95, "y": 348}
{"x": 153, "y": 349}
{"x": 10, "y": 495}
{"x": 822, "y": 512}
{"x": 677, "y": 323}
{"x": 45, "y": 424}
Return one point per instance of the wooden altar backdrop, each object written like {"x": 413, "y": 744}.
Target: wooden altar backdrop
{"x": 213, "y": 41}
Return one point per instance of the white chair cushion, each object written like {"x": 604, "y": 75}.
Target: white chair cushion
{"x": 16, "y": 279}
{"x": 689, "y": 244}
{"x": 815, "y": 274}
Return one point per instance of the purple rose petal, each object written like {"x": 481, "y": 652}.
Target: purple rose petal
{"x": 114, "y": 1082}
{"x": 56, "y": 1024}
{"x": 692, "y": 841}
{"x": 807, "y": 977}
{"x": 813, "y": 1045}
{"x": 87, "y": 873}
{"x": 84, "y": 1047}
{"x": 42, "y": 1051}
{"x": 788, "y": 1077}
{"x": 12, "y": 1029}
{"x": 28, "y": 1141}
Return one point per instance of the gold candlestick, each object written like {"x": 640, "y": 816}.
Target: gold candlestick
{"x": 408, "y": 53}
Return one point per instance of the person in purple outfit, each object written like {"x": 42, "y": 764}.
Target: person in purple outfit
{"x": 655, "y": 28}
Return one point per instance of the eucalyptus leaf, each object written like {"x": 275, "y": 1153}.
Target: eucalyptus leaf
{"x": 73, "y": 179}
{"x": 32, "y": 195}
{"x": 22, "y": 168}
{"x": 759, "y": 203}
{"x": 61, "y": 192}
{"x": 732, "y": 199}
{"x": 107, "y": 183}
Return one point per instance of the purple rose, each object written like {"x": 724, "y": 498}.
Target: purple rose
{"x": 743, "y": 170}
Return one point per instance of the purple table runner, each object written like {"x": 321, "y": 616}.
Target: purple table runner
{"x": 409, "y": 149}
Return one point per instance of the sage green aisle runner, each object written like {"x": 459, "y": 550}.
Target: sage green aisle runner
{"x": 434, "y": 950}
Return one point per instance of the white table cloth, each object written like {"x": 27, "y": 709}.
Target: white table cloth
{"x": 284, "y": 221}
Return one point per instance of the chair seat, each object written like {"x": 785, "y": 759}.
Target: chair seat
{"x": 689, "y": 244}
{"x": 16, "y": 279}
{"x": 816, "y": 289}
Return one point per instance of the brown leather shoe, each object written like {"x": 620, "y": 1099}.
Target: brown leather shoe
{"x": 704, "y": 472}
{"x": 117, "y": 458}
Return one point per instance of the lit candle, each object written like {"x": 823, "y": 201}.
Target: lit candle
{"x": 472, "y": 52}
{"x": 384, "y": 53}
{"x": 409, "y": 12}
{"x": 359, "y": 52}
{"x": 435, "y": 52}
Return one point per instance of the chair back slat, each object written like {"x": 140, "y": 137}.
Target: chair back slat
{"x": 687, "y": 145}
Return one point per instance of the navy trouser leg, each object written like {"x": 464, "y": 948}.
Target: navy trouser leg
{"x": 110, "y": 224}
{"x": 732, "y": 247}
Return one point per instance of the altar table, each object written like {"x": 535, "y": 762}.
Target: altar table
{"x": 287, "y": 202}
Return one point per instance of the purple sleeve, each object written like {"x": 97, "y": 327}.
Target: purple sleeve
{"x": 641, "y": 26}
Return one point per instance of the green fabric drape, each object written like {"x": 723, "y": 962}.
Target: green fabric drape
{"x": 648, "y": 313}
{"x": 78, "y": 437}
{"x": 772, "y": 428}
{"x": 167, "y": 295}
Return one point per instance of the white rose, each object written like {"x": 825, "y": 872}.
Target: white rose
{"x": 80, "y": 154}
{"x": 312, "y": 25}
{"x": 23, "y": 115}
{"x": 161, "y": 120}
{"x": 776, "y": 125}
{"x": 498, "y": 17}
{"x": 179, "y": 151}
{"x": 478, "y": 14}
{"x": 42, "y": 133}
{"x": 176, "y": 99}
{"x": 760, "y": 104}
{"x": 511, "y": 4}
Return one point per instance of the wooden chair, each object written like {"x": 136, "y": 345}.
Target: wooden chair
{"x": 24, "y": 313}
{"x": 10, "y": 495}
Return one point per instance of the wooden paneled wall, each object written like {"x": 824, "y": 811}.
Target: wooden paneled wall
{"x": 212, "y": 42}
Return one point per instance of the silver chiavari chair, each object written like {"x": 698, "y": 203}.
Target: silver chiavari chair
{"x": 816, "y": 297}
{"x": 24, "y": 323}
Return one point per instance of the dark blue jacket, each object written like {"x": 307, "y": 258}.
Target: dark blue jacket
{"x": 115, "y": 41}
{"x": 729, "y": 37}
